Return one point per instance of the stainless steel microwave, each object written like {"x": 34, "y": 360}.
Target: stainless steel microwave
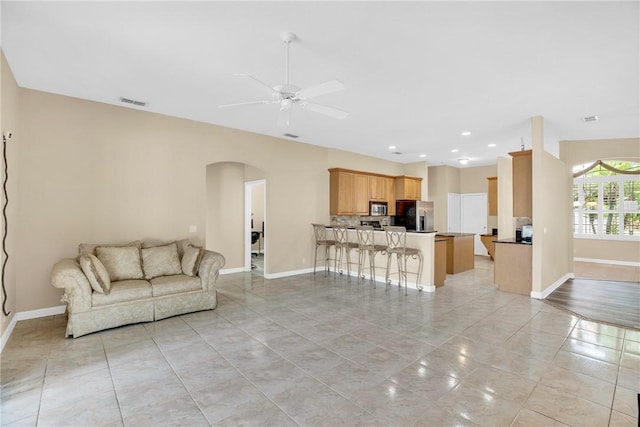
{"x": 377, "y": 208}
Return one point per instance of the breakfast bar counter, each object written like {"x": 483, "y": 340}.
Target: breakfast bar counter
{"x": 422, "y": 240}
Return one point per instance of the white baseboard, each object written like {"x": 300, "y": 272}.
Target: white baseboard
{"x": 288, "y": 273}
{"x": 555, "y": 285}
{"x": 608, "y": 261}
{"x": 232, "y": 270}
{"x": 31, "y": 314}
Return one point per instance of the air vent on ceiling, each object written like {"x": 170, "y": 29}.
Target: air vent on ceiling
{"x": 590, "y": 119}
{"x": 132, "y": 101}
{"x": 397, "y": 152}
{"x": 290, "y": 135}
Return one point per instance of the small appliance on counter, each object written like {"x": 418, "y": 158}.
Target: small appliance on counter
{"x": 527, "y": 233}
{"x": 377, "y": 208}
{"x": 374, "y": 224}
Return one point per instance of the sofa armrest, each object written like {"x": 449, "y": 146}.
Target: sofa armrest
{"x": 210, "y": 267}
{"x": 67, "y": 274}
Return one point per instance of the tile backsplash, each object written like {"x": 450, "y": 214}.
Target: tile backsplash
{"x": 354, "y": 220}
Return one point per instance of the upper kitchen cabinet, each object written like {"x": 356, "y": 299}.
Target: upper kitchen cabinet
{"x": 381, "y": 189}
{"x": 493, "y": 195}
{"x": 408, "y": 188}
{"x": 522, "y": 189}
{"x": 348, "y": 193}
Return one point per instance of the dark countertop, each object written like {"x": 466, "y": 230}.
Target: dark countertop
{"x": 490, "y": 235}
{"x": 455, "y": 234}
{"x": 381, "y": 229}
{"x": 513, "y": 241}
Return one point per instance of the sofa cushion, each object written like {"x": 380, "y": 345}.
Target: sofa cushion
{"x": 96, "y": 273}
{"x": 90, "y": 248}
{"x": 161, "y": 261}
{"x": 122, "y": 263}
{"x": 167, "y": 285}
{"x": 123, "y": 291}
{"x": 191, "y": 260}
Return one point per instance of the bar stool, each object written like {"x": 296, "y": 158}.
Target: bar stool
{"x": 397, "y": 244}
{"x": 340, "y": 232}
{"x": 320, "y": 232}
{"x": 367, "y": 247}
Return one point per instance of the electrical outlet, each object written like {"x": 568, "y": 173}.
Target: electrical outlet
{"x": 193, "y": 229}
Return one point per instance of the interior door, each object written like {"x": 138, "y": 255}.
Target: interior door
{"x": 453, "y": 213}
{"x": 474, "y": 218}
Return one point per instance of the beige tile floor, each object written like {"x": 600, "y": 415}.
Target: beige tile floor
{"x": 321, "y": 350}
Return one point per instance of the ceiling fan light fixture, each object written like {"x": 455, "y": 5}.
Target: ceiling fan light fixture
{"x": 286, "y": 104}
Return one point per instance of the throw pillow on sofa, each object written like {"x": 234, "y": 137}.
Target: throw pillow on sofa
{"x": 96, "y": 273}
{"x": 191, "y": 260}
{"x": 122, "y": 263}
{"x": 161, "y": 261}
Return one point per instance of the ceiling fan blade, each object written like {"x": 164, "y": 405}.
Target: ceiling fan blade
{"x": 260, "y": 82}
{"x": 321, "y": 89}
{"x": 328, "y": 111}
{"x": 246, "y": 103}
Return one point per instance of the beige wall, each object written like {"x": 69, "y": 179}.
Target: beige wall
{"x": 581, "y": 152}
{"x": 552, "y": 210}
{"x": 92, "y": 172}
{"x": 442, "y": 180}
{"x": 9, "y": 93}
{"x": 506, "y": 222}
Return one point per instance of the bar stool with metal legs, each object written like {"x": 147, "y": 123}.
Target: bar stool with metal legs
{"x": 340, "y": 233}
{"x": 367, "y": 248}
{"x": 320, "y": 232}
{"x": 397, "y": 244}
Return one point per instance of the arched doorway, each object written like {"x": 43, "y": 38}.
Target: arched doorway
{"x": 228, "y": 213}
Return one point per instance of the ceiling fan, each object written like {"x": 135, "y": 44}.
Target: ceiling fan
{"x": 287, "y": 94}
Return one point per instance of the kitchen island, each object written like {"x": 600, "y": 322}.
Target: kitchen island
{"x": 460, "y": 255}
{"x": 422, "y": 240}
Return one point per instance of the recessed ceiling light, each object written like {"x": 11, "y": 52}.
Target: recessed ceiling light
{"x": 465, "y": 133}
{"x": 491, "y": 145}
{"x": 392, "y": 147}
{"x": 455, "y": 150}
{"x": 463, "y": 161}
{"x": 423, "y": 155}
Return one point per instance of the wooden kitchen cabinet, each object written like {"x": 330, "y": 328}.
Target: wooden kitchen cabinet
{"x": 522, "y": 178}
{"x": 493, "y": 195}
{"x": 408, "y": 188}
{"x": 440, "y": 261}
{"x": 460, "y": 255}
{"x": 348, "y": 193}
{"x": 377, "y": 188}
{"x": 513, "y": 267}
{"x": 381, "y": 189}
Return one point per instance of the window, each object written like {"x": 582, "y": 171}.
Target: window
{"x": 605, "y": 200}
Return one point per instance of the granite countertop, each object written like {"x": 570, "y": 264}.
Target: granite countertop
{"x": 514, "y": 241}
{"x": 455, "y": 234}
{"x": 381, "y": 229}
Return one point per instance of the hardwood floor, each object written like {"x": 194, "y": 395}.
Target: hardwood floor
{"x": 613, "y": 302}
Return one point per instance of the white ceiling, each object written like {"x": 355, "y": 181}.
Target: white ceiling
{"x": 417, "y": 74}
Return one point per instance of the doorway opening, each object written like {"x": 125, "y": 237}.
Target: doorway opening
{"x": 255, "y": 223}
